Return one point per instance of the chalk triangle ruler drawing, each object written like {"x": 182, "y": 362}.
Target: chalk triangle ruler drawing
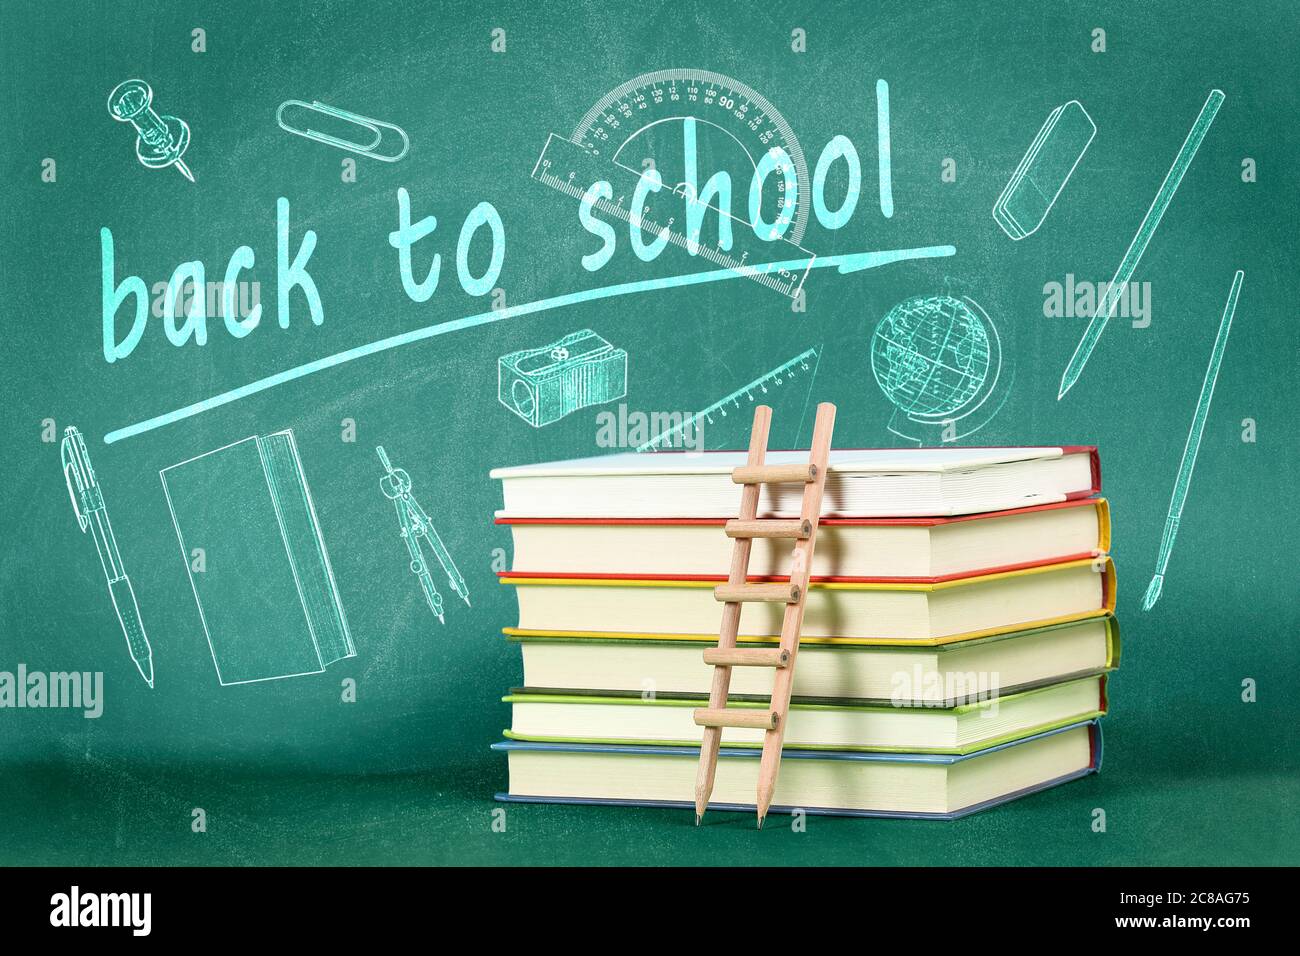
{"x": 792, "y": 380}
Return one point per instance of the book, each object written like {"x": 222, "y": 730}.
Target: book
{"x": 257, "y": 562}
{"x": 940, "y": 786}
{"x": 898, "y": 549}
{"x": 812, "y": 723}
{"x": 850, "y": 611}
{"x": 860, "y": 483}
{"x": 943, "y": 674}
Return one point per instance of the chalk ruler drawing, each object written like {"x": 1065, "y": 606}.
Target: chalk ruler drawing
{"x": 1118, "y": 285}
{"x": 372, "y": 126}
{"x": 940, "y": 362}
{"x": 416, "y": 526}
{"x": 1044, "y": 170}
{"x": 801, "y": 368}
{"x": 647, "y": 123}
{"x": 542, "y": 385}
{"x": 160, "y": 140}
{"x": 1188, "y": 464}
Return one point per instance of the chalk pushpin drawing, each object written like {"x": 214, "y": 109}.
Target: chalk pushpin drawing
{"x": 1044, "y": 170}
{"x": 161, "y": 140}
{"x": 543, "y": 385}
{"x": 940, "y": 362}
{"x": 416, "y": 525}
{"x": 1184, "y": 481}
{"x": 372, "y": 126}
{"x": 1119, "y": 284}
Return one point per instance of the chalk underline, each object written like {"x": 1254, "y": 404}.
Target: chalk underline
{"x": 852, "y": 262}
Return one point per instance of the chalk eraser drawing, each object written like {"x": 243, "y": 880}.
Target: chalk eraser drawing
{"x": 1044, "y": 170}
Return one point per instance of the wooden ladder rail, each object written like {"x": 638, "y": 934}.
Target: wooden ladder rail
{"x": 736, "y": 591}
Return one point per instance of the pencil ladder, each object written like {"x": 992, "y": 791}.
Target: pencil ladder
{"x": 738, "y": 590}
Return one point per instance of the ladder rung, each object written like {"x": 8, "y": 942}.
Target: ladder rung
{"x": 773, "y": 474}
{"x": 781, "y": 593}
{"x": 727, "y": 717}
{"x": 769, "y": 528}
{"x": 747, "y": 656}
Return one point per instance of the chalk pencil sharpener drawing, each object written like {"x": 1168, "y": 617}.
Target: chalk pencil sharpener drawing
{"x": 543, "y": 385}
{"x": 1044, "y": 170}
{"x": 351, "y": 123}
{"x": 160, "y": 140}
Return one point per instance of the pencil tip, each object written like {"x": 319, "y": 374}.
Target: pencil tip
{"x": 698, "y": 818}
{"x": 1153, "y": 591}
{"x": 760, "y": 822}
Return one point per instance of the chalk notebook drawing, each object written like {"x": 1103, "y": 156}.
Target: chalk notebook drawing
{"x": 257, "y": 562}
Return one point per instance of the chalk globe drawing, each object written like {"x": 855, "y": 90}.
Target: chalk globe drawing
{"x": 932, "y": 355}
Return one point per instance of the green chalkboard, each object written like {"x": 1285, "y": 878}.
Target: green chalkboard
{"x": 1200, "y": 757}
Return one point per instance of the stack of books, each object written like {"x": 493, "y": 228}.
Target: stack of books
{"x": 954, "y": 651}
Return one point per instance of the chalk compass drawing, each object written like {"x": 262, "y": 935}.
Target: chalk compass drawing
{"x": 416, "y": 526}
{"x": 940, "y": 362}
{"x": 543, "y": 385}
{"x": 353, "y": 122}
{"x": 667, "y": 121}
{"x": 160, "y": 140}
{"x": 799, "y": 372}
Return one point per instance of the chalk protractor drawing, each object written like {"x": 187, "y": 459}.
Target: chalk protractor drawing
{"x": 704, "y": 136}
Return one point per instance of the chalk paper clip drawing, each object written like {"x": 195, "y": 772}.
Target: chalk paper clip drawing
{"x": 372, "y": 126}
{"x": 940, "y": 362}
{"x": 160, "y": 140}
{"x": 257, "y": 563}
{"x": 416, "y": 525}
{"x": 1044, "y": 170}
{"x": 796, "y": 375}
{"x": 1184, "y": 481}
{"x": 1119, "y": 284}
{"x": 92, "y": 515}
{"x": 542, "y": 385}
